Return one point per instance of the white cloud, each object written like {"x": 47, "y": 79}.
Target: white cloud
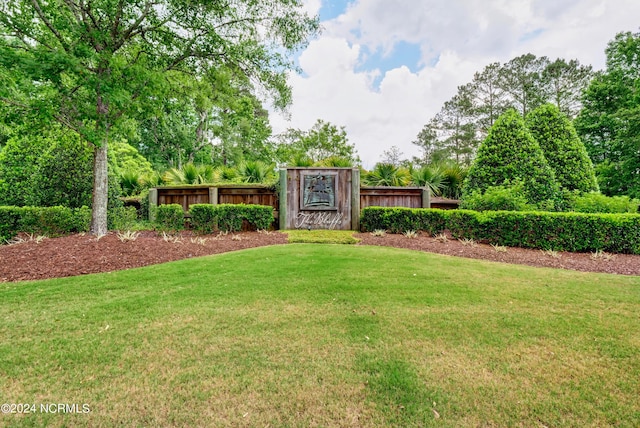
{"x": 456, "y": 38}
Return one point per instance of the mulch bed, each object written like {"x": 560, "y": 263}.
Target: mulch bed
{"x": 83, "y": 254}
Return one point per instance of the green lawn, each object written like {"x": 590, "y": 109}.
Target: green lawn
{"x": 325, "y": 335}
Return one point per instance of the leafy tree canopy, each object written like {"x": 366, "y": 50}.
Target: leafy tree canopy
{"x": 322, "y": 141}
{"x": 93, "y": 64}
{"x": 609, "y": 122}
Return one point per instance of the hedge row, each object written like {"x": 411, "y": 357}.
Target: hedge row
{"x": 169, "y": 217}
{"x": 50, "y": 221}
{"x": 229, "y": 217}
{"x": 397, "y": 220}
{"x": 576, "y": 232}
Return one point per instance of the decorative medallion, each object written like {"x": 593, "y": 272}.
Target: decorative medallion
{"x": 318, "y": 192}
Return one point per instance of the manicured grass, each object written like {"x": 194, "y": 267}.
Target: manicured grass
{"x": 325, "y": 335}
{"x": 321, "y": 236}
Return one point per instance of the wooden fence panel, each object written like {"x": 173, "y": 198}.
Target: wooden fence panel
{"x": 409, "y": 197}
{"x": 248, "y": 195}
{"x": 185, "y": 196}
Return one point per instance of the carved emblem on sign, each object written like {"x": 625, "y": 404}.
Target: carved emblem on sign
{"x": 318, "y": 192}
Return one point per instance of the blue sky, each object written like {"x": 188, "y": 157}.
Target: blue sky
{"x": 383, "y": 68}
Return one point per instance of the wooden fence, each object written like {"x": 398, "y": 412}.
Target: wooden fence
{"x": 410, "y": 197}
{"x": 204, "y": 194}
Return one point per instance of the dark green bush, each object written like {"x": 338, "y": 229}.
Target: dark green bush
{"x": 122, "y": 218}
{"x": 259, "y": 216}
{"x": 497, "y": 198}
{"x": 230, "y": 217}
{"x": 203, "y": 217}
{"x": 50, "y": 221}
{"x": 83, "y": 218}
{"x": 170, "y": 217}
{"x": 465, "y": 224}
{"x": 509, "y": 154}
{"x": 9, "y": 223}
{"x": 577, "y": 232}
{"x": 397, "y": 220}
{"x": 562, "y": 148}
{"x": 599, "y": 203}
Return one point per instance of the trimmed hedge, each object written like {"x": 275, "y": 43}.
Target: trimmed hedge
{"x": 576, "y": 232}
{"x": 206, "y": 218}
{"x": 398, "y": 220}
{"x": 50, "y": 221}
{"x": 170, "y": 217}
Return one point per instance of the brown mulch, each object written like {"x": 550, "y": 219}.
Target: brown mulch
{"x": 622, "y": 264}
{"x": 84, "y": 254}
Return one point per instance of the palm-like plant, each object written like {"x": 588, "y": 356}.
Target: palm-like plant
{"x": 190, "y": 174}
{"x": 300, "y": 160}
{"x": 387, "y": 174}
{"x": 335, "y": 162}
{"x": 153, "y": 179}
{"x": 429, "y": 176}
{"x": 255, "y": 172}
{"x": 226, "y": 174}
{"x": 131, "y": 182}
{"x": 453, "y": 177}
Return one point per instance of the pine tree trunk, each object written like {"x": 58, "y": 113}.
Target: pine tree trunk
{"x": 100, "y": 190}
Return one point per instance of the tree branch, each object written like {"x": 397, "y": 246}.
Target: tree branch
{"x": 51, "y": 28}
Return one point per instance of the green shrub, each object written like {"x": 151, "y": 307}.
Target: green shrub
{"x": 510, "y": 154}
{"x": 497, "y": 198}
{"x": 144, "y": 205}
{"x": 170, "y": 217}
{"x": 562, "y": 148}
{"x": 397, "y": 220}
{"x": 83, "y": 218}
{"x": 465, "y": 224}
{"x": 577, "y": 232}
{"x": 122, "y": 218}
{"x": 230, "y": 217}
{"x": 203, "y": 217}
{"x": 259, "y": 216}
{"x": 599, "y": 203}
{"x": 50, "y": 221}
{"x": 9, "y": 221}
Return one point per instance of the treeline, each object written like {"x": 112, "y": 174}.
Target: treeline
{"x": 604, "y": 108}
{"x": 523, "y": 84}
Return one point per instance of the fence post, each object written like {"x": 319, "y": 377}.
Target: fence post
{"x": 355, "y": 199}
{"x": 213, "y": 195}
{"x": 282, "y": 215}
{"x": 426, "y": 197}
{"x": 153, "y": 203}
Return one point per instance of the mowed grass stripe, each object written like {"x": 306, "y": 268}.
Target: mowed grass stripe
{"x": 325, "y": 335}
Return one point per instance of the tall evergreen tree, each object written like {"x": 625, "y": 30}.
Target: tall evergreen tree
{"x": 509, "y": 155}
{"x": 562, "y": 148}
